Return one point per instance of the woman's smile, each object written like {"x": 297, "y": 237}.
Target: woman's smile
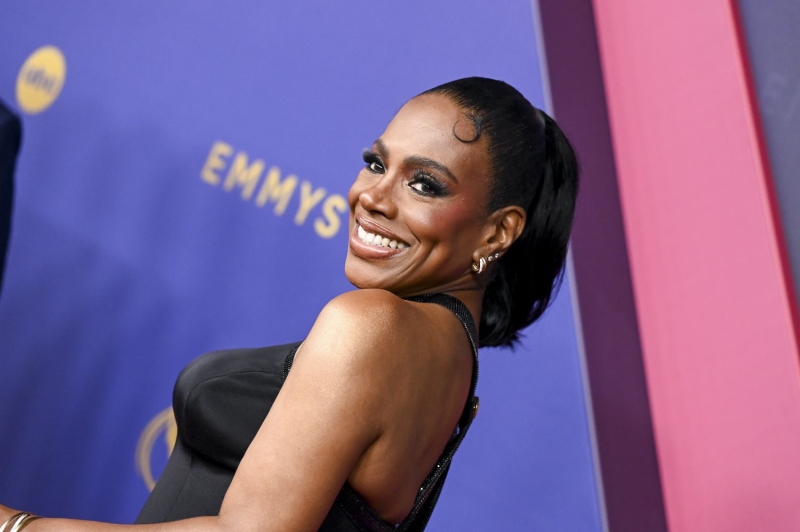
{"x": 377, "y": 235}
{"x": 376, "y": 239}
{"x": 369, "y": 240}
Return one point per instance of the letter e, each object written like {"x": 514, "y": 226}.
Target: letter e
{"x": 215, "y": 162}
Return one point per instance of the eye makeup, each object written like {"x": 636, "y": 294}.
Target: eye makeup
{"x": 373, "y": 161}
{"x": 422, "y": 182}
{"x": 426, "y": 184}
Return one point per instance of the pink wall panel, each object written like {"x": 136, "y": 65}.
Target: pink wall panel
{"x": 711, "y": 294}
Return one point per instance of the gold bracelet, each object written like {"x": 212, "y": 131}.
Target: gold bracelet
{"x": 24, "y": 521}
{"x": 12, "y": 518}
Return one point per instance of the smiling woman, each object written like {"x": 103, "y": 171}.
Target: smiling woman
{"x": 461, "y": 214}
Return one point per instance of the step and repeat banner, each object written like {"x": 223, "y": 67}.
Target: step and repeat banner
{"x": 181, "y": 188}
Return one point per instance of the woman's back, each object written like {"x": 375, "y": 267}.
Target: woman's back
{"x": 427, "y": 362}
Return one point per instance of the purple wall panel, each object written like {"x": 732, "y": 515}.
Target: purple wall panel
{"x": 773, "y": 47}
{"x": 125, "y": 264}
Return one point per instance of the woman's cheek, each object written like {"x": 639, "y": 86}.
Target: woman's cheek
{"x": 453, "y": 218}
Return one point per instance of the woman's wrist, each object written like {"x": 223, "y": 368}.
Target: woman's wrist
{"x": 6, "y": 513}
{"x": 14, "y": 520}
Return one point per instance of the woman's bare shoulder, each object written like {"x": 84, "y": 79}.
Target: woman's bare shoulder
{"x": 366, "y": 302}
{"x": 367, "y": 324}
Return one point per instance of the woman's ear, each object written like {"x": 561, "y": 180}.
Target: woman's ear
{"x": 503, "y": 228}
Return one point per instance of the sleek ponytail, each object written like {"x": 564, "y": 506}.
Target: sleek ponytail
{"x": 534, "y": 167}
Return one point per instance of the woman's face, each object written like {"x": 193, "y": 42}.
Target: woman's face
{"x": 418, "y": 207}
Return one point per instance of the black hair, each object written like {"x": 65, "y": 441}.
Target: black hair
{"x": 533, "y": 166}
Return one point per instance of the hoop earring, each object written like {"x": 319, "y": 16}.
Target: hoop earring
{"x": 480, "y": 266}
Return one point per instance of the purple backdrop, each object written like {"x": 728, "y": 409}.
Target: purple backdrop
{"x": 134, "y": 249}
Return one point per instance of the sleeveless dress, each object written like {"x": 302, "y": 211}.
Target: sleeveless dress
{"x": 220, "y": 401}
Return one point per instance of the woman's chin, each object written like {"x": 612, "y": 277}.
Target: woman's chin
{"x": 363, "y": 275}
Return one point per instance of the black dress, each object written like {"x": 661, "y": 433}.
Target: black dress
{"x": 220, "y": 401}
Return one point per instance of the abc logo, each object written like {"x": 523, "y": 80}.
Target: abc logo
{"x": 40, "y": 80}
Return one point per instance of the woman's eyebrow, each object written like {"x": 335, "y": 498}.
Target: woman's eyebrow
{"x": 418, "y": 160}
{"x": 381, "y": 148}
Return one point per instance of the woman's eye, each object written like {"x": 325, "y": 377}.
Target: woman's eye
{"x": 426, "y": 185}
{"x": 419, "y": 186}
{"x": 373, "y": 162}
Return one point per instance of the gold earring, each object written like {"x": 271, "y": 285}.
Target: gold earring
{"x": 479, "y": 266}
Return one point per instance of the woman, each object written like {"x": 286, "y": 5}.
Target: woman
{"x": 463, "y": 210}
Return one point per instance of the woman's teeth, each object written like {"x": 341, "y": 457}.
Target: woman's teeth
{"x": 378, "y": 240}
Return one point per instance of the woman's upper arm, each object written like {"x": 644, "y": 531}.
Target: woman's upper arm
{"x": 326, "y": 415}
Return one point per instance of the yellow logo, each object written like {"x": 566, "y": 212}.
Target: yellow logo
{"x": 163, "y": 427}
{"x": 40, "y": 80}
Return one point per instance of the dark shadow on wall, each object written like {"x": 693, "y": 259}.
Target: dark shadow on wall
{"x": 10, "y": 137}
{"x": 626, "y": 448}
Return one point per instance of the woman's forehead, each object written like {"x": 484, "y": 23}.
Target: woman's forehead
{"x": 428, "y": 113}
{"x": 427, "y": 125}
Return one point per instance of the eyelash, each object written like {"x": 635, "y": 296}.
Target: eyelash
{"x": 434, "y": 186}
{"x": 370, "y": 158}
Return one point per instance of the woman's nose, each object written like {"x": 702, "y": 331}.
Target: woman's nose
{"x": 378, "y": 198}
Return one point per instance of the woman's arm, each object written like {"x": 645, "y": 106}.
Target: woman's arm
{"x": 198, "y": 524}
{"x": 329, "y": 411}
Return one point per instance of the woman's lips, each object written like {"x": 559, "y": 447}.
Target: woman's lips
{"x": 373, "y": 233}
{"x": 377, "y": 239}
{"x": 363, "y": 249}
